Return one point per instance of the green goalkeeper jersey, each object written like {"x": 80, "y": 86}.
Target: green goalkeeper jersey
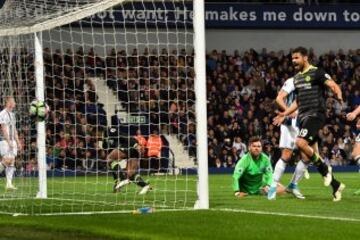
{"x": 251, "y": 175}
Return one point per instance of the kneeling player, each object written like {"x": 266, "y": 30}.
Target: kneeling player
{"x": 253, "y": 172}
{"x": 356, "y": 151}
{"x": 128, "y": 150}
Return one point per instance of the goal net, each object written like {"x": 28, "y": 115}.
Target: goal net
{"x": 111, "y": 71}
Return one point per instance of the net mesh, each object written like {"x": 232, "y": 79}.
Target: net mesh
{"x": 124, "y": 72}
{"x": 19, "y": 13}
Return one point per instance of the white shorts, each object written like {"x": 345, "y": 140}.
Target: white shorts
{"x": 288, "y": 136}
{"x": 357, "y": 140}
{"x": 5, "y": 149}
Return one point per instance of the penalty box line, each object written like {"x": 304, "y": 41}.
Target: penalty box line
{"x": 287, "y": 214}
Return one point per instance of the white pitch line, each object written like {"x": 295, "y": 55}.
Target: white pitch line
{"x": 287, "y": 214}
{"x": 15, "y": 198}
{"x": 193, "y": 210}
{"x": 94, "y": 212}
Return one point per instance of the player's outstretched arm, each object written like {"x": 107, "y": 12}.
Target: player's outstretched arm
{"x": 331, "y": 84}
{"x": 351, "y": 116}
{"x": 280, "y": 100}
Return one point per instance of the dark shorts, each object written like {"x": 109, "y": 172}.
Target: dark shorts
{"x": 130, "y": 152}
{"x": 310, "y": 126}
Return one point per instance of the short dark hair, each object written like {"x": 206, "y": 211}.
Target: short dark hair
{"x": 303, "y": 51}
{"x": 254, "y": 139}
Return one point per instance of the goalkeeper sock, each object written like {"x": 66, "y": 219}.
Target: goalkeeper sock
{"x": 138, "y": 180}
{"x": 278, "y": 171}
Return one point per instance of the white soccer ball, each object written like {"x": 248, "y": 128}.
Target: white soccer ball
{"x": 39, "y": 109}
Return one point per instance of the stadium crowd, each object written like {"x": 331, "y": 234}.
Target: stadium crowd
{"x": 241, "y": 91}
{"x": 162, "y": 89}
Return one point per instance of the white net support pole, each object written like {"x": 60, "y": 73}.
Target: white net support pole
{"x": 201, "y": 110}
{"x": 41, "y": 136}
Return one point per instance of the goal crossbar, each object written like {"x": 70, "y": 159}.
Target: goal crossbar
{"x": 59, "y": 18}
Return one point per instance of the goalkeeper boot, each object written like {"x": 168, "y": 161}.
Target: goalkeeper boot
{"x": 294, "y": 190}
{"x": 338, "y": 192}
{"x": 271, "y": 193}
{"x": 145, "y": 190}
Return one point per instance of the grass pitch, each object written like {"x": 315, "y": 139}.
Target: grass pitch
{"x": 254, "y": 217}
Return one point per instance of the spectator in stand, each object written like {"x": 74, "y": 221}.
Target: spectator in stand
{"x": 241, "y": 90}
{"x": 154, "y": 145}
{"x": 242, "y": 87}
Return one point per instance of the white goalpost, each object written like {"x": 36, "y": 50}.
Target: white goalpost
{"x": 41, "y": 131}
{"x": 201, "y": 113}
{"x": 109, "y": 70}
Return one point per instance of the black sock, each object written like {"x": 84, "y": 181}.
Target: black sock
{"x": 117, "y": 172}
{"x": 322, "y": 168}
{"x": 334, "y": 183}
{"x": 320, "y": 165}
{"x": 138, "y": 180}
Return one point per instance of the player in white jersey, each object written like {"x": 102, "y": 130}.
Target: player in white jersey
{"x": 289, "y": 131}
{"x": 356, "y": 151}
{"x": 9, "y": 141}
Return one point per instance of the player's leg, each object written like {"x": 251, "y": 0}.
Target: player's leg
{"x": 293, "y": 188}
{"x": 308, "y": 163}
{"x": 286, "y": 144}
{"x": 134, "y": 176}
{"x": 281, "y": 164}
{"x": 308, "y": 136}
{"x": 113, "y": 160}
{"x": 280, "y": 189}
{"x": 356, "y": 156}
{"x": 9, "y": 155}
{"x": 336, "y": 185}
{"x": 300, "y": 169}
{"x": 3, "y": 151}
{"x": 279, "y": 171}
{"x": 322, "y": 168}
{"x": 9, "y": 171}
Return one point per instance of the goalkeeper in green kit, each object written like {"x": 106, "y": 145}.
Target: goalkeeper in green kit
{"x": 253, "y": 172}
